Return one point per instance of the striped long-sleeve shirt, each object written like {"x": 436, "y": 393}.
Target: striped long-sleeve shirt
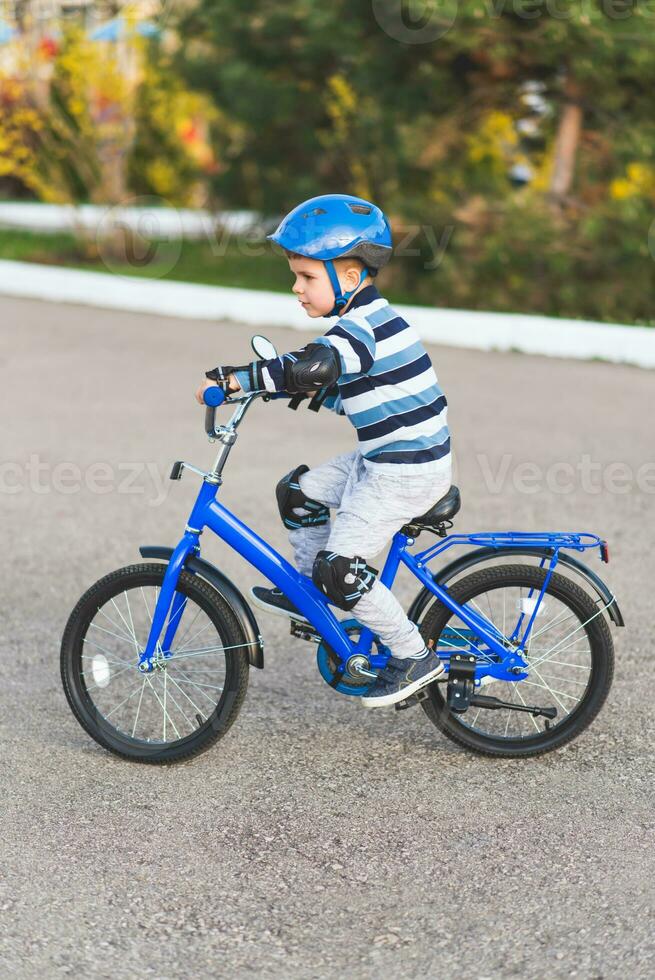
{"x": 387, "y": 388}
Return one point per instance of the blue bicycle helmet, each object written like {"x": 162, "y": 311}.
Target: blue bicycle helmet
{"x": 333, "y": 226}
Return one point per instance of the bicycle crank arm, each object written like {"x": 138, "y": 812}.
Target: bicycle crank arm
{"x": 484, "y": 701}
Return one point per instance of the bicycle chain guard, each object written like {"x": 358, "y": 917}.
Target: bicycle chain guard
{"x": 328, "y": 667}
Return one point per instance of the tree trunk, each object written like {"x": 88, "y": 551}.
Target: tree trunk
{"x": 566, "y": 142}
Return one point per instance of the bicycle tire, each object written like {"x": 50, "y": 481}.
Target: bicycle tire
{"x": 221, "y": 615}
{"x": 454, "y": 726}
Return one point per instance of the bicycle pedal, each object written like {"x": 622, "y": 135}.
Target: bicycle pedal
{"x": 420, "y": 695}
{"x": 303, "y": 631}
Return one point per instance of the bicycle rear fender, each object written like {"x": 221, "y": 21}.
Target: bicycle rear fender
{"x": 478, "y": 555}
{"x": 226, "y": 588}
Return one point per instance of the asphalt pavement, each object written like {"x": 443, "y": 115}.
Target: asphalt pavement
{"x": 316, "y": 839}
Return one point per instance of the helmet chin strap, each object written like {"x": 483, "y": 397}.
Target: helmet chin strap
{"x": 340, "y": 299}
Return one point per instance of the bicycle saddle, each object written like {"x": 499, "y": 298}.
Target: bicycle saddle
{"x": 444, "y": 510}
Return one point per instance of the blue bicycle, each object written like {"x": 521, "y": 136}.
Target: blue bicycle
{"x": 155, "y": 656}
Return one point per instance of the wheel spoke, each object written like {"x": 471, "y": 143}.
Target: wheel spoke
{"x": 501, "y": 636}
{"x": 554, "y": 622}
{"x": 129, "y": 613}
{"x": 561, "y": 663}
{"x": 123, "y": 639}
{"x": 190, "y": 626}
{"x": 152, "y": 688}
{"x": 186, "y": 680}
{"x": 120, "y": 705}
{"x": 143, "y": 687}
{"x": 201, "y": 630}
{"x": 182, "y": 691}
{"x": 114, "y": 624}
{"x": 145, "y": 603}
{"x": 504, "y": 618}
{"x": 189, "y": 723}
{"x": 123, "y": 663}
{"x": 544, "y": 688}
{"x": 558, "y": 646}
{"x": 550, "y": 690}
{"x": 525, "y": 706}
{"x": 165, "y": 688}
{"x": 136, "y": 645}
{"x": 564, "y": 680}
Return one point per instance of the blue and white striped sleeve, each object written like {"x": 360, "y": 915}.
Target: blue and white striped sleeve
{"x": 355, "y": 344}
{"x": 333, "y": 402}
{"x": 270, "y": 372}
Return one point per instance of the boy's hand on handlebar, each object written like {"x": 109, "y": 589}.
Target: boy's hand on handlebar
{"x": 228, "y": 383}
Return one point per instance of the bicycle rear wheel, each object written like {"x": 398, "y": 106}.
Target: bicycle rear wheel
{"x": 570, "y": 658}
{"x": 187, "y": 702}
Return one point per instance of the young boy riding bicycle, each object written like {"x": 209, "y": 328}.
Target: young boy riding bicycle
{"x": 372, "y": 367}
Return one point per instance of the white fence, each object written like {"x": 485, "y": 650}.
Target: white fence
{"x": 457, "y": 328}
{"x": 152, "y": 220}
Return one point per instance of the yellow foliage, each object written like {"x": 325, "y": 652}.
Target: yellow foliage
{"x": 495, "y": 139}
{"x": 19, "y": 128}
{"x": 543, "y": 171}
{"x": 342, "y": 109}
{"x": 639, "y": 181}
{"x": 163, "y": 178}
{"x": 98, "y": 84}
{"x": 343, "y": 95}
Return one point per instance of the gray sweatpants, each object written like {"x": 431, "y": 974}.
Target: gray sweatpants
{"x": 370, "y": 508}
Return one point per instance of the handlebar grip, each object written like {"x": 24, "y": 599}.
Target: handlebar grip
{"x": 212, "y": 397}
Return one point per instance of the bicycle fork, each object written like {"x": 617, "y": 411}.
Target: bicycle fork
{"x": 169, "y": 599}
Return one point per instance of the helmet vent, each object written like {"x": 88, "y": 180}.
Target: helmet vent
{"x": 359, "y": 208}
{"x": 309, "y": 214}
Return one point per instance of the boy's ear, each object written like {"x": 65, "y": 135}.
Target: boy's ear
{"x": 352, "y": 275}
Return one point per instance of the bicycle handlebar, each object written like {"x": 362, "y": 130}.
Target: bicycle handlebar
{"x": 215, "y": 396}
{"x": 212, "y": 397}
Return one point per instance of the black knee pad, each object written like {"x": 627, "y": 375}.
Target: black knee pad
{"x": 343, "y": 580}
{"x": 289, "y": 495}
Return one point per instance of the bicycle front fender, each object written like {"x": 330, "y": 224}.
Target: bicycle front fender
{"x": 478, "y": 555}
{"x": 225, "y": 587}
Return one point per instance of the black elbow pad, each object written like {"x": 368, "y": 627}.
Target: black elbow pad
{"x": 318, "y": 366}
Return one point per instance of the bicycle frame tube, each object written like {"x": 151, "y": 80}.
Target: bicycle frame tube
{"x": 208, "y": 512}
{"x": 481, "y": 626}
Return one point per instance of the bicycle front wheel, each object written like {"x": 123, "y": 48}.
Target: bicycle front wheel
{"x": 570, "y": 658}
{"x": 188, "y": 701}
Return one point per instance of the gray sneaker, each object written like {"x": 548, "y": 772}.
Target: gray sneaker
{"x": 275, "y": 601}
{"x": 402, "y": 678}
